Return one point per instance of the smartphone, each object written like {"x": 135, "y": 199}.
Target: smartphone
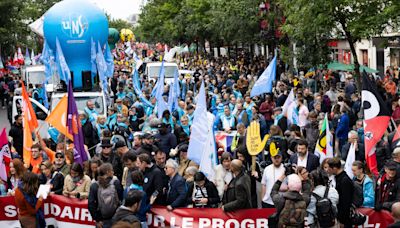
{"x": 155, "y": 193}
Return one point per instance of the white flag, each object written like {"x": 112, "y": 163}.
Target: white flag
{"x": 351, "y": 157}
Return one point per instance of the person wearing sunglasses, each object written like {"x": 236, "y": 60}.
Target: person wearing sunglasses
{"x": 60, "y": 165}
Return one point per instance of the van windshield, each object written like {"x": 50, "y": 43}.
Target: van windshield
{"x": 81, "y": 103}
{"x": 154, "y": 71}
{"x": 38, "y": 77}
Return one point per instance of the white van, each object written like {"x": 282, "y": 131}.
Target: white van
{"x": 153, "y": 70}
{"x": 42, "y": 112}
{"x": 34, "y": 75}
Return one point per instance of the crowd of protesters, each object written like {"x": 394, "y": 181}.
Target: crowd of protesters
{"x": 138, "y": 160}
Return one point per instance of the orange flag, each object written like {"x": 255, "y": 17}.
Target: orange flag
{"x": 58, "y": 117}
{"x": 29, "y": 113}
{"x": 28, "y": 142}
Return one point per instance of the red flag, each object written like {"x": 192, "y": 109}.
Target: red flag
{"x": 397, "y": 135}
{"x": 27, "y": 107}
{"x": 5, "y": 155}
{"x": 376, "y": 120}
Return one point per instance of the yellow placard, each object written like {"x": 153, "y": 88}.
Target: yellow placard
{"x": 253, "y": 139}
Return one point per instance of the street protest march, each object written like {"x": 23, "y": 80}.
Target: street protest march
{"x": 206, "y": 113}
{"x": 63, "y": 212}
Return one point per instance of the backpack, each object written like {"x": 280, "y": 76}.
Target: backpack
{"x": 358, "y": 195}
{"x": 325, "y": 212}
{"x": 293, "y": 214}
{"x": 108, "y": 200}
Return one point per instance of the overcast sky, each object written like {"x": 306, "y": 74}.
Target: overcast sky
{"x": 119, "y": 8}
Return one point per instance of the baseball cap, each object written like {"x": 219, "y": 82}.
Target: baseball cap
{"x": 119, "y": 144}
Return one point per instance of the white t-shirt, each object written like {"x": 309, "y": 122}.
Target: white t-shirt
{"x": 270, "y": 176}
{"x": 302, "y": 162}
{"x": 303, "y": 114}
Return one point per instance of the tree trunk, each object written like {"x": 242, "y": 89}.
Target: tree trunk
{"x": 351, "y": 41}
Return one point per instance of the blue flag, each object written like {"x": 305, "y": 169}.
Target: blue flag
{"x": 174, "y": 93}
{"x": 109, "y": 61}
{"x": 62, "y": 66}
{"x": 47, "y": 59}
{"x": 44, "y": 95}
{"x": 161, "y": 104}
{"x": 93, "y": 57}
{"x": 138, "y": 91}
{"x": 75, "y": 128}
{"x": 264, "y": 83}
{"x": 101, "y": 67}
{"x": 160, "y": 83}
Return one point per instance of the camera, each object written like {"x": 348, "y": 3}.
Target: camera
{"x": 289, "y": 168}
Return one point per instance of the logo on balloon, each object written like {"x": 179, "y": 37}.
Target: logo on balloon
{"x": 74, "y": 26}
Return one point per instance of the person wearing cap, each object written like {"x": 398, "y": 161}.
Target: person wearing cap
{"x": 121, "y": 148}
{"x": 147, "y": 146}
{"x": 165, "y": 139}
{"x": 270, "y": 176}
{"x": 108, "y": 156}
{"x": 60, "y": 165}
{"x": 388, "y": 187}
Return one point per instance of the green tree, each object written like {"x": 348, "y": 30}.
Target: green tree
{"x": 314, "y": 22}
{"x": 158, "y": 22}
{"x": 118, "y": 23}
{"x": 14, "y": 21}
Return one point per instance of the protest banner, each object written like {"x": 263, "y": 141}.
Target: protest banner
{"x": 65, "y": 212}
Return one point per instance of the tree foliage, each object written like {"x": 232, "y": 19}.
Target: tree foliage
{"x": 221, "y": 21}
{"x": 119, "y": 24}
{"x": 14, "y": 21}
{"x": 311, "y": 24}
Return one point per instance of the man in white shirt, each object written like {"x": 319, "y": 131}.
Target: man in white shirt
{"x": 303, "y": 158}
{"x": 270, "y": 175}
{"x": 223, "y": 175}
{"x": 303, "y": 113}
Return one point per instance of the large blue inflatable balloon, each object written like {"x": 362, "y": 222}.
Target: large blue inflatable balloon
{"x": 75, "y": 23}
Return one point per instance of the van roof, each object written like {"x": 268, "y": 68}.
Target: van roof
{"x": 79, "y": 94}
{"x": 159, "y": 64}
{"x": 35, "y": 68}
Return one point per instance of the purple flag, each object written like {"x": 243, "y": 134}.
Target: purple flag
{"x": 75, "y": 128}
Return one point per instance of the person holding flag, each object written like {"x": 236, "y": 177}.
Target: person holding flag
{"x": 376, "y": 120}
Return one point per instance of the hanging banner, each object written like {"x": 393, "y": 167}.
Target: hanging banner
{"x": 65, "y": 212}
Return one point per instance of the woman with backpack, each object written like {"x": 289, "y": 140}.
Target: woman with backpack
{"x": 322, "y": 210}
{"x": 105, "y": 196}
